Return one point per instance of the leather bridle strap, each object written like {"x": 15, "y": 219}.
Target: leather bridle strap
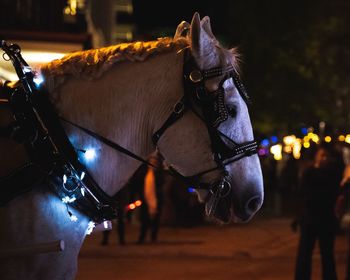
{"x": 175, "y": 115}
{"x": 109, "y": 143}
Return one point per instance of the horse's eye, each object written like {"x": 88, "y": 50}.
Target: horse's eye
{"x": 232, "y": 111}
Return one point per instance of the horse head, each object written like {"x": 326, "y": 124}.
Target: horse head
{"x": 212, "y": 144}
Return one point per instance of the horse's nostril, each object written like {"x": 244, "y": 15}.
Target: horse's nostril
{"x": 253, "y": 204}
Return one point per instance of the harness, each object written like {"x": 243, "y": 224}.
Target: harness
{"x": 37, "y": 125}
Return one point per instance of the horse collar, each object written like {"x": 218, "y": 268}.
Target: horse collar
{"x": 53, "y": 158}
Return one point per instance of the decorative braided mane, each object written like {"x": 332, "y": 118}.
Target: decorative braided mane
{"x": 91, "y": 64}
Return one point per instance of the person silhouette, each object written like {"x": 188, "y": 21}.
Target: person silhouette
{"x": 317, "y": 219}
{"x": 152, "y": 197}
{"x": 342, "y": 209}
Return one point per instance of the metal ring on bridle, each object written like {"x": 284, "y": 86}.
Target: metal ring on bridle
{"x": 224, "y": 188}
{"x": 70, "y": 183}
{"x": 6, "y": 57}
{"x": 196, "y": 76}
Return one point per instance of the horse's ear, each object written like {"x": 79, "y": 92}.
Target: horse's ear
{"x": 207, "y": 26}
{"x": 181, "y": 30}
{"x": 201, "y": 44}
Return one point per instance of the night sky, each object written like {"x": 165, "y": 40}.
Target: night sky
{"x": 156, "y": 14}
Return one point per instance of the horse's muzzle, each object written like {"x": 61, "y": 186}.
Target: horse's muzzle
{"x": 224, "y": 205}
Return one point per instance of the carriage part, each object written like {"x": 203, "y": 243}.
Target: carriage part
{"x": 40, "y": 248}
{"x": 24, "y": 72}
{"x": 105, "y": 225}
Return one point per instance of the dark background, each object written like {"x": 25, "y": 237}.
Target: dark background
{"x": 295, "y": 53}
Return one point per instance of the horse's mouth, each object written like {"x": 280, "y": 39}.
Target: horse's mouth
{"x": 222, "y": 211}
{"x": 225, "y": 210}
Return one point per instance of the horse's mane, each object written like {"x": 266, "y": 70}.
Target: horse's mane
{"x": 91, "y": 64}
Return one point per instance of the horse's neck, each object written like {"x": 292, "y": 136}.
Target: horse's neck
{"x": 126, "y": 105}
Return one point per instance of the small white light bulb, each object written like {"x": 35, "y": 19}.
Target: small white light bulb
{"x": 27, "y": 69}
{"x": 105, "y": 224}
{"x": 68, "y": 199}
{"x": 38, "y": 80}
{"x": 90, "y": 227}
{"x": 90, "y": 154}
{"x": 73, "y": 218}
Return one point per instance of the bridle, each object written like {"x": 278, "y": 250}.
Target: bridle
{"x": 213, "y": 112}
{"x": 34, "y": 113}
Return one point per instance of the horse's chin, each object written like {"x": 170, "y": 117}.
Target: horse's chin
{"x": 224, "y": 212}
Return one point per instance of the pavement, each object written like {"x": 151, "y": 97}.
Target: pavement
{"x": 263, "y": 249}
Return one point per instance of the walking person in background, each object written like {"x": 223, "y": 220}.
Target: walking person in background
{"x": 342, "y": 210}
{"x": 151, "y": 195}
{"x": 319, "y": 190}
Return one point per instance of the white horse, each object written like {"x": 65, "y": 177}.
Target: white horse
{"x": 126, "y": 94}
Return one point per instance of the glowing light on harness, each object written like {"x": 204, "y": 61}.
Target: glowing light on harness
{"x": 105, "y": 224}
{"x": 73, "y": 218}
{"x": 90, "y": 154}
{"x": 38, "y": 80}
{"x": 90, "y": 227}
{"x": 64, "y": 179}
{"x": 68, "y": 199}
{"x": 27, "y": 69}
{"x": 82, "y": 175}
{"x": 82, "y": 191}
